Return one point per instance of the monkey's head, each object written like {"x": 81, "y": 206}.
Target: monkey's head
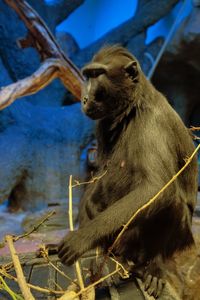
{"x": 110, "y": 81}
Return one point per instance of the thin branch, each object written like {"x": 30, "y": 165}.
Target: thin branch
{"x": 30, "y": 85}
{"x": 71, "y": 294}
{"x": 118, "y": 264}
{"x": 70, "y": 211}
{"x": 56, "y": 63}
{"x": 195, "y": 137}
{"x": 20, "y": 276}
{"x": 93, "y": 180}
{"x": 7, "y": 267}
{"x": 44, "y": 253}
{"x": 35, "y": 227}
{"x": 71, "y": 227}
{"x": 34, "y": 287}
{"x": 88, "y": 292}
{"x": 193, "y": 128}
{"x": 98, "y": 282}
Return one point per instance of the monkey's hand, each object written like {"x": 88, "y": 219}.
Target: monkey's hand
{"x": 71, "y": 247}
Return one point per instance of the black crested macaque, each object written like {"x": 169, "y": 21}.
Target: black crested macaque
{"x": 142, "y": 143}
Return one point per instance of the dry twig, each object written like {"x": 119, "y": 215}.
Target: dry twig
{"x": 34, "y": 287}
{"x": 193, "y": 128}
{"x": 85, "y": 292}
{"x": 20, "y": 276}
{"x": 93, "y": 180}
{"x": 195, "y": 137}
{"x": 118, "y": 264}
{"x": 71, "y": 227}
{"x": 70, "y": 294}
{"x": 98, "y": 282}
{"x": 34, "y": 227}
{"x": 44, "y": 253}
{"x": 42, "y": 77}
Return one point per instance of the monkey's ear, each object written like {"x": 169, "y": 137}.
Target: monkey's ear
{"x": 132, "y": 70}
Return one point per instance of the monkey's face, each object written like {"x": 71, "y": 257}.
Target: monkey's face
{"x": 108, "y": 87}
{"x": 94, "y": 92}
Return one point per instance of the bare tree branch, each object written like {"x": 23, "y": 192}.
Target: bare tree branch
{"x": 20, "y": 275}
{"x": 56, "y": 64}
{"x": 49, "y": 70}
{"x": 30, "y": 85}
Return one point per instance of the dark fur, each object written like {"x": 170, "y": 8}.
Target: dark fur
{"x": 142, "y": 143}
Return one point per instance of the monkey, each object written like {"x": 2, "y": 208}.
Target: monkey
{"x": 142, "y": 144}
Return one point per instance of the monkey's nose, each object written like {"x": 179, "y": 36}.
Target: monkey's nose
{"x": 85, "y": 99}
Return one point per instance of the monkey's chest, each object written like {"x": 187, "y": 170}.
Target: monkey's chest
{"x": 115, "y": 184}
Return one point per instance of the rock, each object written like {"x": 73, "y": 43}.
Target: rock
{"x": 59, "y": 10}
{"x": 150, "y": 54}
{"x": 147, "y": 14}
{"x": 177, "y": 74}
{"x": 67, "y": 43}
{"x": 136, "y": 45}
{"x": 39, "y": 152}
{"x": 196, "y": 2}
{"x": 53, "y": 95}
{"x": 5, "y": 78}
{"x": 13, "y": 160}
{"x": 186, "y": 40}
{"x": 146, "y": 55}
{"x": 7, "y": 220}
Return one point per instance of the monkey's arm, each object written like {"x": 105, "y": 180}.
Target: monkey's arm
{"x": 106, "y": 223}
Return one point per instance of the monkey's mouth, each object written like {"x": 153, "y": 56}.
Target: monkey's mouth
{"x": 93, "y": 113}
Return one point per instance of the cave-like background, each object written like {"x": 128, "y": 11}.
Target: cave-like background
{"x": 45, "y": 137}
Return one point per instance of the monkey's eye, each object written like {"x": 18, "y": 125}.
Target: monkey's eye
{"x": 86, "y": 77}
{"x": 93, "y": 73}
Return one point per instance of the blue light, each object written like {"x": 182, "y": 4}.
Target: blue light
{"x": 96, "y": 17}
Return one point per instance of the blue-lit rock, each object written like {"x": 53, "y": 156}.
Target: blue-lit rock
{"x": 39, "y": 150}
